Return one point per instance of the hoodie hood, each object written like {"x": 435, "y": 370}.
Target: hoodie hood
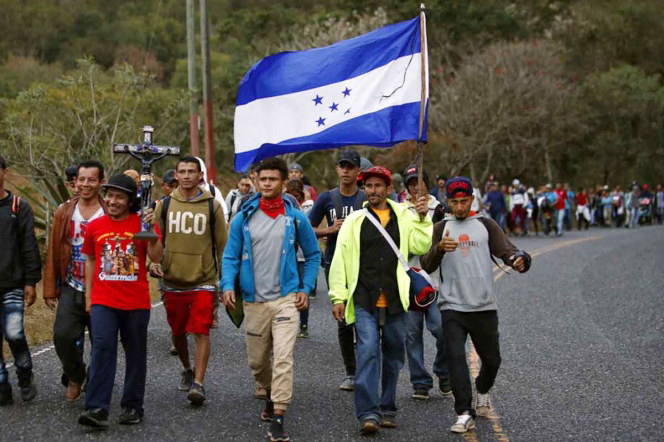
{"x": 204, "y": 195}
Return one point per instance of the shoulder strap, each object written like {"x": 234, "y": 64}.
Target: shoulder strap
{"x": 359, "y": 199}
{"x": 335, "y": 195}
{"x": 213, "y": 234}
{"x": 212, "y": 190}
{"x": 165, "y": 202}
{"x": 388, "y": 238}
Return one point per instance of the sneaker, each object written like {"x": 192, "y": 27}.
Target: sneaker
{"x": 97, "y": 418}
{"x": 482, "y": 404}
{"x": 268, "y": 413}
{"x": 348, "y": 384}
{"x": 187, "y": 380}
{"x": 389, "y": 422}
{"x": 277, "y": 432}
{"x": 369, "y": 427}
{"x": 304, "y": 332}
{"x": 464, "y": 423}
{"x": 28, "y": 389}
{"x": 173, "y": 351}
{"x": 130, "y": 416}
{"x": 74, "y": 392}
{"x": 444, "y": 386}
{"x": 261, "y": 393}
{"x": 6, "y": 397}
{"x": 421, "y": 394}
{"x": 196, "y": 395}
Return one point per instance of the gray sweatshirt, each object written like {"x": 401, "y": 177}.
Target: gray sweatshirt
{"x": 467, "y": 272}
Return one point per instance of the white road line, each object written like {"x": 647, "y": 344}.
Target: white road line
{"x": 51, "y": 347}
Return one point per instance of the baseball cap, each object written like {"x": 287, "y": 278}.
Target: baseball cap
{"x": 365, "y": 164}
{"x": 350, "y": 156}
{"x": 458, "y": 187}
{"x": 71, "y": 172}
{"x": 296, "y": 166}
{"x": 169, "y": 176}
{"x": 122, "y": 182}
{"x": 411, "y": 171}
{"x": 378, "y": 171}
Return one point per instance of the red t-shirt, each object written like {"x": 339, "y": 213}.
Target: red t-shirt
{"x": 560, "y": 201}
{"x": 581, "y": 199}
{"x": 120, "y": 277}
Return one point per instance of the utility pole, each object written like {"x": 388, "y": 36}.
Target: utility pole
{"x": 191, "y": 58}
{"x": 207, "y": 99}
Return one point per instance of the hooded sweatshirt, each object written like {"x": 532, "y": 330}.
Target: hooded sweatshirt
{"x": 188, "y": 261}
{"x": 467, "y": 272}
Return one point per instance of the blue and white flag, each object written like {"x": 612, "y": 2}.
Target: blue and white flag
{"x": 366, "y": 90}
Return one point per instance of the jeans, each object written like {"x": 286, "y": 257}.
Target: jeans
{"x": 633, "y": 215}
{"x": 498, "y": 217}
{"x": 133, "y": 328}
{"x": 71, "y": 319}
{"x": 419, "y": 376}
{"x": 368, "y": 404}
{"x": 11, "y": 327}
{"x": 483, "y": 330}
{"x": 561, "y": 219}
{"x": 346, "y": 335}
{"x": 304, "y": 314}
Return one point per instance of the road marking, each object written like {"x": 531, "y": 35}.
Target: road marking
{"x": 474, "y": 358}
{"x": 51, "y": 347}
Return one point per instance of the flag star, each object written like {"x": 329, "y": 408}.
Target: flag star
{"x": 318, "y": 100}
{"x": 347, "y": 92}
{"x": 347, "y": 111}
{"x": 321, "y": 121}
{"x": 334, "y": 107}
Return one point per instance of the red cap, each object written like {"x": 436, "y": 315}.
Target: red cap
{"x": 378, "y": 171}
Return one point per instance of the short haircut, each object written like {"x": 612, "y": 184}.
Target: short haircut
{"x": 273, "y": 163}
{"x": 244, "y": 176}
{"x": 189, "y": 159}
{"x": 88, "y": 164}
{"x": 295, "y": 186}
{"x": 3, "y": 163}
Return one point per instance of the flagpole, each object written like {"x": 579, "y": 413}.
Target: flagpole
{"x": 423, "y": 99}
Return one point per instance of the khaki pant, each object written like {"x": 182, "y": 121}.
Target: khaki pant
{"x": 271, "y": 330}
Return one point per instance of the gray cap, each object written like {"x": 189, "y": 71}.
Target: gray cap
{"x": 296, "y": 166}
{"x": 365, "y": 164}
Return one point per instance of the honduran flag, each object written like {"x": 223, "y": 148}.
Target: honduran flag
{"x": 366, "y": 90}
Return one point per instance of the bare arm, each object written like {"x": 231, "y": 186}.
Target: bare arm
{"x": 89, "y": 278}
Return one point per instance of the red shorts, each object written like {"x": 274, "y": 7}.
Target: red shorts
{"x": 189, "y": 312}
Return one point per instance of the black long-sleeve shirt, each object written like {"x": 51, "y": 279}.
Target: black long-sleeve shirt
{"x": 20, "y": 263}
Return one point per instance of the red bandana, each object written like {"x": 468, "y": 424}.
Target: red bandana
{"x": 272, "y": 208}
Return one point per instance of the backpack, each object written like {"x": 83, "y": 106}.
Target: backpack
{"x": 335, "y": 195}
{"x": 164, "y": 210}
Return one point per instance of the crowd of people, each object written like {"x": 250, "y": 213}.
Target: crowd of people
{"x": 258, "y": 252}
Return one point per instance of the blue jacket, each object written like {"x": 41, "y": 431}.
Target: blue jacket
{"x": 238, "y": 256}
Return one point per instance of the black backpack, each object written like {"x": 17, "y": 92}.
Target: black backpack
{"x": 166, "y": 201}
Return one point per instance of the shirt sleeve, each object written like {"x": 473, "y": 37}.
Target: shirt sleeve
{"x": 89, "y": 241}
{"x": 318, "y": 210}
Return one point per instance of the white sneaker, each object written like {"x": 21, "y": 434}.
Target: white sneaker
{"x": 482, "y": 404}
{"x": 464, "y": 423}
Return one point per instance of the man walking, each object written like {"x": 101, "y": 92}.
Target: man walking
{"x": 64, "y": 274}
{"x": 370, "y": 288}
{"x": 20, "y": 271}
{"x": 262, "y": 249}
{"x": 420, "y": 378}
{"x": 194, "y": 229}
{"x": 335, "y": 205}
{"x": 463, "y": 246}
{"x": 118, "y": 299}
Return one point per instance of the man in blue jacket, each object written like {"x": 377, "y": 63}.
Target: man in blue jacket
{"x": 261, "y": 248}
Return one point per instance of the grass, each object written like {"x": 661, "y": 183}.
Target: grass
{"x": 38, "y": 323}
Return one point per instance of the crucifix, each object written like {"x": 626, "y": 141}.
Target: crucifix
{"x": 147, "y": 154}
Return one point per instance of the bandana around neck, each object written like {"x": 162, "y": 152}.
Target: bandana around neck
{"x": 272, "y": 208}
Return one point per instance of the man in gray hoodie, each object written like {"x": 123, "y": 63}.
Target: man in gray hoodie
{"x": 463, "y": 245}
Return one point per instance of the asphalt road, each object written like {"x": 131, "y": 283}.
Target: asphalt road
{"x": 582, "y": 338}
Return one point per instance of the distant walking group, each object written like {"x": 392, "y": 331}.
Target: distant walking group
{"x": 258, "y": 253}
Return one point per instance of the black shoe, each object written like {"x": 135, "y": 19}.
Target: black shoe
{"x": 130, "y": 416}
{"x": 196, "y": 395}
{"x": 304, "y": 332}
{"x": 27, "y": 386}
{"x": 421, "y": 394}
{"x": 277, "y": 432}
{"x": 6, "y": 397}
{"x": 268, "y": 413}
{"x": 97, "y": 418}
{"x": 444, "y": 386}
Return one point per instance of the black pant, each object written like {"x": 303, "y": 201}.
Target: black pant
{"x": 483, "y": 330}
{"x": 68, "y": 331}
{"x": 346, "y": 335}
